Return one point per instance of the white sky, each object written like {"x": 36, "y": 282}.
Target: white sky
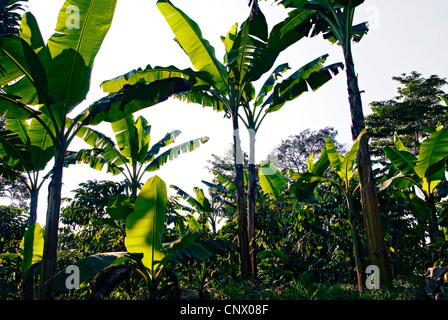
{"x": 405, "y": 36}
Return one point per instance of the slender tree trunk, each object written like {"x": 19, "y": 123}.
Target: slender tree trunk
{"x": 28, "y": 285}
{"x": 33, "y": 206}
{"x": 49, "y": 260}
{"x": 434, "y": 232}
{"x": 369, "y": 198}
{"x": 251, "y": 220}
{"x": 243, "y": 238}
{"x": 356, "y": 245}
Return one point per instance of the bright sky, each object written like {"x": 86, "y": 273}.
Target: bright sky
{"x": 405, "y": 36}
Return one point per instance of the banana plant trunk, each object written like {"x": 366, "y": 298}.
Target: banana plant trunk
{"x": 49, "y": 259}
{"x": 251, "y": 219}
{"x": 251, "y": 194}
{"x": 356, "y": 245}
{"x": 33, "y": 206}
{"x": 434, "y": 234}
{"x": 369, "y": 198}
{"x": 243, "y": 238}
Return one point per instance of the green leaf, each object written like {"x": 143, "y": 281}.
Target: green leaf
{"x": 19, "y": 127}
{"x": 198, "y": 79}
{"x": 145, "y": 226}
{"x": 174, "y": 152}
{"x": 204, "y": 98}
{"x": 322, "y": 164}
{"x": 14, "y": 152}
{"x": 312, "y": 75}
{"x": 230, "y": 39}
{"x": 119, "y": 105}
{"x": 271, "y": 179}
{"x": 305, "y": 183}
{"x": 247, "y": 47}
{"x": 202, "y": 199}
{"x": 227, "y": 183}
{"x": 190, "y": 199}
{"x": 189, "y": 36}
{"x": 420, "y": 207}
{"x": 400, "y": 146}
{"x": 126, "y": 134}
{"x": 17, "y": 59}
{"x": 430, "y": 165}
{"x": 344, "y": 166}
{"x": 119, "y": 208}
{"x": 32, "y": 247}
{"x": 445, "y": 99}
{"x": 30, "y": 32}
{"x": 270, "y": 82}
{"x": 402, "y": 160}
{"x": 400, "y": 182}
{"x": 284, "y": 34}
{"x": 89, "y": 267}
{"x": 39, "y": 146}
{"x": 168, "y": 139}
{"x": 71, "y": 50}
{"x": 203, "y": 250}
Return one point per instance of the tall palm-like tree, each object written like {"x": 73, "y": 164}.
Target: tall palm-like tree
{"x": 47, "y": 81}
{"x": 251, "y": 52}
{"x": 132, "y": 155}
{"x": 335, "y": 20}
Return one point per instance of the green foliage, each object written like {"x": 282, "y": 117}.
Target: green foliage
{"x": 25, "y": 262}
{"x": 13, "y": 224}
{"x": 131, "y": 155}
{"x": 10, "y": 16}
{"x": 131, "y": 241}
{"x": 416, "y": 108}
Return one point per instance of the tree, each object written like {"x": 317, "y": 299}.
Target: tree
{"x": 12, "y": 187}
{"x": 293, "y": 152}
{"x": 251, "y": 51}
{"x": 55, "y": 78}
{"x": 312, "y": 75}
{"x": 215, "y": 86}
{"x": 416, "y": 107}
{"x": 335, "y": 21}
{"x": 134, "y": 155}
{"x": 147, "y": 255}
{"x": 10, "y": 17}
{"x": 26, "y": 151}
{"x": 425, "y": 171}
{"x": 345, "y": 168}
{"x": 13, "y": 224}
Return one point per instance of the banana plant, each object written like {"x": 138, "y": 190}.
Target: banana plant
{"x": 26, "y": 148}
{"x": 132, "y": 155}
{"x": 335, "y": 21}
{"x": 425, "y": 172}
{"x": 47, "y": 81}
{"x": 251, "y": 51}
{"x": 271, "y": 97}
{"x": 28, "y": 257}
{"x": 346, "y": 168}
{"x": 209, "y": 210}
{"x": 304, "y": 184}
{"x": 146, "y": 254}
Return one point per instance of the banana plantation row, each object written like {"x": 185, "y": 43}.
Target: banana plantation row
{"x": 260, "y": 224}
